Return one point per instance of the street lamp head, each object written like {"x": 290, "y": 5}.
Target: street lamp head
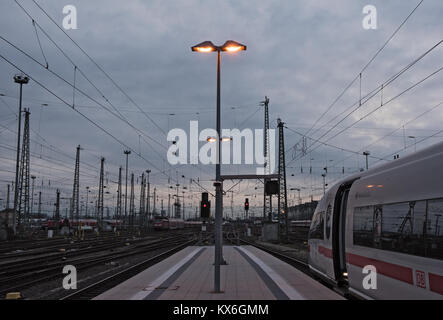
{"x": 366, "y": 153}
{"x": 233, "y": 46}
{"x": 148, "y": 171}
{"x": 22, "y": 79}
{"x": 229, "y": 46}
{"x": 205, "y": 46}
{"x": 223, "y": 139}
{"x": 127, "y": 152}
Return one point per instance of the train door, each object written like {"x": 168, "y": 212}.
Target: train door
{"x": 338, "y": 234}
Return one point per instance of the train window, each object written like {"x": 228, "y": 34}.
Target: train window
{"x": 317, "y": 226}
{"x": 328, "y": 221}
{"x": 434, "y": 232}
{"x": 402, "y": 227}
{"x": 363, "y": 226}
{"x": 412, "y": 227}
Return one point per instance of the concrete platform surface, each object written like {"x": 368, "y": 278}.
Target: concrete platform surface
{"x": 251, "y": 274}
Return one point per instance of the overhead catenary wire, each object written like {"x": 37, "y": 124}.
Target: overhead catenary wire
{"x": 375, "y": 91}
{"x": 358, "y": 104}
{"x": 66, "y": 103}
{"x": 365, "y": 67}
{"x": 99, "y": 67}
{"x": 397, "y": 129}
{"x": 77, "y": 111}
{"x": 379, "y": 107}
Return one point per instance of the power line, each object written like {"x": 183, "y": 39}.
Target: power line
{"x": 397, "y": 129}
{"x": 80, "y": 113}
{"x": 329, "y": 145}
{"x": 375, "y": 91}
{"x": 365, "y": 67}
{"x": 98, "y": 66}
{"x": 376, "y": 109}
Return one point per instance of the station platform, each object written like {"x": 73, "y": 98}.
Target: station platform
{"x": 250, "y": 274}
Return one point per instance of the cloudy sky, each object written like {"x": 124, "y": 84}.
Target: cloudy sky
{"x": 301, "y": 54}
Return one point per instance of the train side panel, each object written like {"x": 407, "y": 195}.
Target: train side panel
{"x": 320, "y": 243}
{"x": 389, "y": 215}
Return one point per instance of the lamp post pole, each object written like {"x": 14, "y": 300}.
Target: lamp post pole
{"x": 229, "y": 46}
{"x": 148, "y": 205}
{"x": 127, "y": 153}
{"x": 87, "y": 196}
{"x": 218, "y": 186}
{"x": 366, "y": 154}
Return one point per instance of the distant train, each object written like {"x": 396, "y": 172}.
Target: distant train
{"x": 165, "y": 223}
{"x": 83, "y": 224}
{"x": 389, "y": 217}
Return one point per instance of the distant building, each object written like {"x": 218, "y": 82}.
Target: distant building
{"x": 302, "y": 211}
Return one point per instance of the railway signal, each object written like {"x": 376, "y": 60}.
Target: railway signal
{"x": 246, "y": 204}
{"x": 205, "y": 206}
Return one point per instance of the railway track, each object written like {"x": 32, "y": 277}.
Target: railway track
{"x": 297, "y": 263}
{"x": 103, "y": 285}
{"x": 16, "y": 277}
{"x": 302, "y": 266}
{"x": 35, "y": 261}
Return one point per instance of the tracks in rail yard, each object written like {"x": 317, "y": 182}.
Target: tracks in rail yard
{"x": 20, "y": 274}
{"x": 103, "y": 285}
{"x": 302, "y": 266}
{"x": 297, "y": 263}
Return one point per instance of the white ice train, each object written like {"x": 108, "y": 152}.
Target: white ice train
{"x": 389, "y": 217}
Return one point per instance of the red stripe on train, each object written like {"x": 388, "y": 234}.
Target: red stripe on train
{"x": 325, "y": 251}
{"x": 395, "y": 271}
{"x": 436, "y": 283}
{"x": 388, "y": 269}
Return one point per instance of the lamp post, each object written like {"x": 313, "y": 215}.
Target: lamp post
{"x": 324, "y": 183}
{"x": 148, "y": 205}
{"x": 366, "y": 154}
{"x": 127, "y": 153}
{"x": 21, "y": 80}
{"x": 208, "y": 46}
{"x": 87, "y": 195}
{"x": 32, "y": 194}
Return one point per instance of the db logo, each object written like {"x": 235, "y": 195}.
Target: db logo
{"x": 420, "y": 279}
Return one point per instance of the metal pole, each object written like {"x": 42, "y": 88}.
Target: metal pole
{"x": 87, "y": 194}
{"x": 7, "y": 198}
{"x": 127, "y": 153}
{"x": 218, "y": 195}
{"x": 148, "y": 205}
{"x": 155, "y": 190}
{"x": 324, "y": 183}
{"x": 169, "y": 205}
{"x": 32, "y": 195}
{"x": 183, "y": 206}
{"x": 19, "y": 80}
{"x": 39, "y": 203}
